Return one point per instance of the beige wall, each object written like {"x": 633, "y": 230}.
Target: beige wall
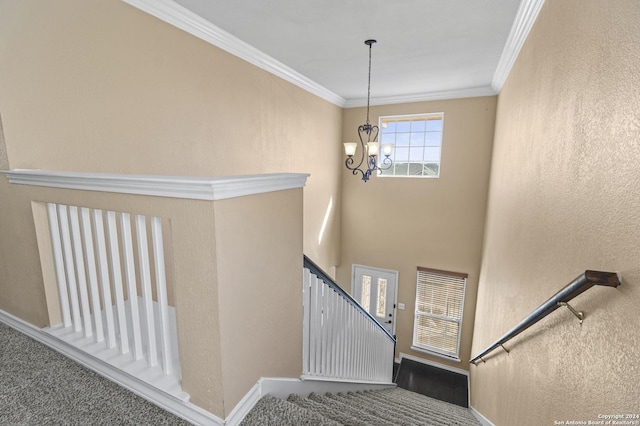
{"x": 260, "y": 303}
{"x": 195, "y": 275}
{"x": 564, "y": 197}
{"x": 403, "y": 223}
{"x": 100, "y": 86}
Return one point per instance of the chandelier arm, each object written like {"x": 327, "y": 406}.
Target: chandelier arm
{"x": 349, "y": 164}
{"x": 386, "y": 164}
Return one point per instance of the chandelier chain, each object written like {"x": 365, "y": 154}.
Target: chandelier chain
{"x": 369, "y": 83}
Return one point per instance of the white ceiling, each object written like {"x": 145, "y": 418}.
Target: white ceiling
{"x": 426, "y": 49}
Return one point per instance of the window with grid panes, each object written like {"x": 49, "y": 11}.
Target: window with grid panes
{"x": 417, "y": 144}
{"x": 438, "y": 314}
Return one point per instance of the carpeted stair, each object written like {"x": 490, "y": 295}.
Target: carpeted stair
{"x": 393, "y": 406}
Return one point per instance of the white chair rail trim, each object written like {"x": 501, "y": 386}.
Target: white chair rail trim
{"x": 190, "y": 187}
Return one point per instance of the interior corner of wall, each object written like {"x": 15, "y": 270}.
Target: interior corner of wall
{"x": 4, "y": 158}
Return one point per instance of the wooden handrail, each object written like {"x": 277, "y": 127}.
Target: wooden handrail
{"x": 579, "y": 285}
{"x": 317, "y": 271}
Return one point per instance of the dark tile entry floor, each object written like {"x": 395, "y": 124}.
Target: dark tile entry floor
{"x": 432, "y": 381}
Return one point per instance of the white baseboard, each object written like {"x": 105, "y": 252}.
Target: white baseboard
{"x": 283, "y": 387}
{"x": 482, "y": 419}
{"x": 180, "y": 408}
{"x": 244, "y": 406}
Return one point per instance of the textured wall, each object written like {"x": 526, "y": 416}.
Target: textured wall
{"x": 260, "y": 304}
{"x": 194, "y": 273}
{"x": 403, "y": 223}
{"x": 100, "y": 86}
{"x": 564, "y": 197}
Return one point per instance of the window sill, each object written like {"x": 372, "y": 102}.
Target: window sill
{"x": 436, "y": 354}
{"x": 410, "y": 176}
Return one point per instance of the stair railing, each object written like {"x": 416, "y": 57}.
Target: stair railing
{"x": 562, "y": 298}
{"x": 341, "y": 340}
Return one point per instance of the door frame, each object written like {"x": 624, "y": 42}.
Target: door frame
{"x": 386, "y": 271}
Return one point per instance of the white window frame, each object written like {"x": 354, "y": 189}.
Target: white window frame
{"x": 438, "y": 277}
{"x": 383, "y": 140}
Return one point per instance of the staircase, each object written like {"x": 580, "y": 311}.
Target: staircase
{"x": 393, "y": 406}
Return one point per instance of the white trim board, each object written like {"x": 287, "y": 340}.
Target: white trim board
{"x": 482, "y": 419}
{"x": 470, "y": 92}
{"x": 525, "y": 18}
{"x": 189, "y": 187}
{"x": 182, "y": 409}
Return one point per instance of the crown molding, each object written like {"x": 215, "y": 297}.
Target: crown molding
{"x": 470, "y": 92}
{"x": 189, "y": 187}
{"x": 525, "y": 18}
{"x": 184, "y": 19}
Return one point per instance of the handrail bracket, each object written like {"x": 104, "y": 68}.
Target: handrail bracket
{"x": 578, "y": 314}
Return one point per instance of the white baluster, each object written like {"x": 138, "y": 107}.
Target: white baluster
{"x": 103, "y": 273}
{"x": 352, "y": 344}
{"x": 130, "y": 277}
{"x": 161, "y": 290}
{"x": 331, "y": 322}
{"x": 118, "y": 288}
{"x": 317, "y": 319}
{"x": 342, "y": 341}
{"x": 90, "y": 257}
{"x": 56, "y": 246}
{"x": 312, "y": 325}
{"x": 335, "y": 332}
{"x": 306, "y": 305}
{"x": 325, "y": 326}
{"x": 147, "y": 296}
{"x": 82, "y": 277}
{"x": 328, "y": 326}
{"x": 67, "y": 254}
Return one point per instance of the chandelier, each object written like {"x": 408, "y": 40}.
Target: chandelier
{"x": 368, "y": 134}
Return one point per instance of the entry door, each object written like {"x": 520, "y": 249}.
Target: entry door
{"x": 377, "y": 291}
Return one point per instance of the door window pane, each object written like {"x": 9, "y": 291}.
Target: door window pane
{"x": 366, "y": 292}
{"x": 381, "y": 306}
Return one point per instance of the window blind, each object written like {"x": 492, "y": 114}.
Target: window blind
{"x": 439, "y": 308}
